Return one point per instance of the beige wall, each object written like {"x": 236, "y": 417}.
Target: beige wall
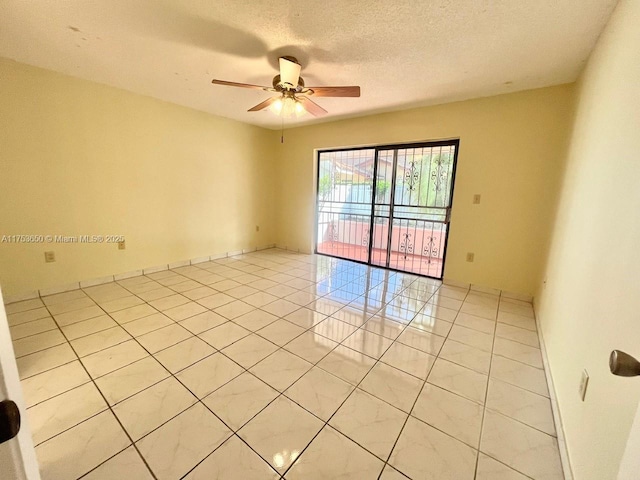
{"x": 591, "y": 303}
{"x": 81, "y": 158}
{"x": 511, "y": 151}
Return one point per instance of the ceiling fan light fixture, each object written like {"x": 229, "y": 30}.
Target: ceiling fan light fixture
{"x": 276, "y": 107}
{"x": 287, "y": 106}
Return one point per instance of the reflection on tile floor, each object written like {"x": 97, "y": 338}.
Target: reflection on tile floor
{"x": 281, "y": 365}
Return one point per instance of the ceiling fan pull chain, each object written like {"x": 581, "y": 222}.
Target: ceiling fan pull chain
{"x": 282, "y": 131}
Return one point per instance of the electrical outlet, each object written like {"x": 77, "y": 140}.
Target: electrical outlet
{"x": 49, "y": 257}
{"x": 121, "y": 245}
{"x": 584, "y": 383}
{"x": 470, "y": 256}
{"x": 257, "y": 228}
{"x": 476, "y": 199}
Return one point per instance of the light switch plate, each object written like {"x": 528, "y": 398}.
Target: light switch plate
{"x": 476, "y": 199}
{"x": 584, "y": 383}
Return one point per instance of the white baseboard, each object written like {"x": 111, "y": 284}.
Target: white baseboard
{"x": 96, "y": 281}
{"x": 555, "y": 408}
{"x": 494, "y": 291}
{"x": 20, "y": 297}
{"x": 517, "y": 296}
{"x": 156, "y": 269}
{"x": 456, "y": 283}
{"x": 122, "y": 276}
{"x": 483, "y": 289}
{"x": 60, "y": 289}
{"x": 195, "y": 261}
{"x": 183, "y": 263}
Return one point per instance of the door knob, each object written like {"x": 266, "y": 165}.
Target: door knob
{"x": 623, "y": 364}
{"x": 9, "y": 420}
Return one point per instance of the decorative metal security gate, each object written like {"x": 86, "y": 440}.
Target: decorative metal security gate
{"x": 400, "y": 220}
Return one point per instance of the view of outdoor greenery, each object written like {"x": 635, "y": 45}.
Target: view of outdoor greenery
{"x": 422, "y": 180}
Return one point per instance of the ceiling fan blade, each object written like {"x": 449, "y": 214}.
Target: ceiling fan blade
{"x": 289, "y": 72}
{"x": 242, "y": 85}
{"x": 263, "y": 105}
{"x": 333, "y": 91}
{"x": 312, "y": 107}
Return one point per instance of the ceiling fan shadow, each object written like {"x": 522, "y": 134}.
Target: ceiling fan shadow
{"x": 345, "y": 52}
{"x": 299, "y": 52}
{"x": 168, "y": 23}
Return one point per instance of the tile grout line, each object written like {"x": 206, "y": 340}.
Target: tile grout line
{"x": 280, "y": 394}
{"x": 386, "y": 462}
{"x": 283, "y": 392}
{"x": 373, "y": 314}
{"x": 326, "y": 423}
{"x": 216, "y": 350}
{"x": 486, "y": 391}
{"x": 454, "y": 393}
{"x": 306, "y": 330}
{"x": 486, "y": 408}
{"x": 109, "y": 408}
{"x": 198, "y": 401}
{"x": 132, "y": 337}
{"x": 144, "y": 316}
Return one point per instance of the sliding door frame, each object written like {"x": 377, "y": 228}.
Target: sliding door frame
{"x": 395, "y": 147}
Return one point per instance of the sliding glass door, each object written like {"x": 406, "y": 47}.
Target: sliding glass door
{"x": 345, "y": 189}
{"x": 387, "y": 206}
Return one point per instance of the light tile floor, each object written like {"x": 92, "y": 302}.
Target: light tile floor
{"x": 279, "y": 365}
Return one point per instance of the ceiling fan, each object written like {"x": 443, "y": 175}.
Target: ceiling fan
{"x": 292, "y": 94}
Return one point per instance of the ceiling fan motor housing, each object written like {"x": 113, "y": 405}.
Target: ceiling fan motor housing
{"x": 279, "y": 86}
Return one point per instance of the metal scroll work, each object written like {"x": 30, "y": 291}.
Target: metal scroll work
{"x": 365, "y": 237}
{"x": 412, "y": 176}
{"x": 406, "y": 246}
{"x": 439, "y": 175}
{"x": 430, "y": 250}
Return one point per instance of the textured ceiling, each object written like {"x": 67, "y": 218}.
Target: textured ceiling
{"x": 402, "y": 53}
